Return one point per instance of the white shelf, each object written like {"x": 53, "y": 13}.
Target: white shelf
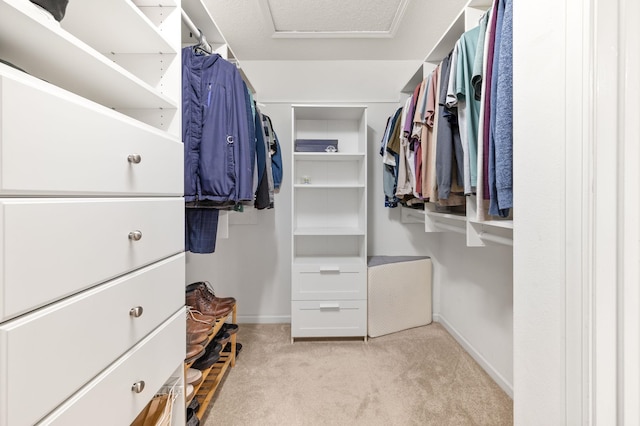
{"x": 83, "y": 71}
{"x": 322, "y": 186}
{"x": 135, "y": 32}
{"x": 335, "y": 260}
{"x": 328, "y": 112}
{"x": 446, "y": 216}
{"x": 320, "y": 231}
{"x": 326, "y": 156}
{"x": 505, "y": 224}
{"x": 448, "y": 40}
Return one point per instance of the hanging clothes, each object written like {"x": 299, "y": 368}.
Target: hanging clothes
{"x": 471, "y": 110}
{"x": 218, "y": 152}
{"x": 219, "y": 155}
{"x": 502, "y": 200}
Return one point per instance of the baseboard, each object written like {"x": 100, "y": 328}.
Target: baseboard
{"x": 486, "y": 365}
{"x": 264, "y": 319}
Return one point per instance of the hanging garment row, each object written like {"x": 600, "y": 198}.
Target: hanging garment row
{"x": 226, "y": 140}
{"x": 454, "y": 136}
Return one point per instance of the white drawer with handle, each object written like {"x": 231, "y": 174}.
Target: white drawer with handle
{"x": 120, "y": 392}
{"x": 329, "y": 318}
{"x": 53, "y": 248}
{"x": 64, "y": 345}
{"x": 54, "y": 142}
{"x": 329, "y": 281}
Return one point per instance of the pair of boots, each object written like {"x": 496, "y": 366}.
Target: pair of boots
{"x": 200, "y": 296}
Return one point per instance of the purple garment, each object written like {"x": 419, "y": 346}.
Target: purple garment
{"x": 487, "y": 103}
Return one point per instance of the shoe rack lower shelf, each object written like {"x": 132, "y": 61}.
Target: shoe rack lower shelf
{"x": 212, "y": 376}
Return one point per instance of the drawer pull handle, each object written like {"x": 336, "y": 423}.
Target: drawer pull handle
{"x": 136, "y": 312}
{"x": 138, "y": 386}
{"x": 329, "y": 306}
{"x": 134, "y": 158}
{"x": 135, "y": 235}
{"x": 328, "y": 269}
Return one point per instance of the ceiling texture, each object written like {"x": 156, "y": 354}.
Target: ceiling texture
{"x": 293, "y": 30}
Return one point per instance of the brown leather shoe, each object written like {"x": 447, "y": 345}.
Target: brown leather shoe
{"x": 197, "y": 338}
{"x": 200, "y": 317}
{"x": 194, "y": 352}
{"x": 201, "y": 301}
{"x": 206, "y": 286}
{"x": 194, "y": 326}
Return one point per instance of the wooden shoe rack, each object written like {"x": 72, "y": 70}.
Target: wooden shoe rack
{"x": 212, "y": 376}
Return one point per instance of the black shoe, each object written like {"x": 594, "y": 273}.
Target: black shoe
{"x": 229, "y": 328}
{"x": 228, "y": 348}
{"x": 222, "y": 338}
{"x": 194, "y": 405}
{"x": 192, "y": 418}
{"x": 210, "y": 357}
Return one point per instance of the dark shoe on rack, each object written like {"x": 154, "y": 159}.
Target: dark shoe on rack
{"x": 194, "y": 405}
{"x": 211, "y": 356}
{"x": 192, "y": 418}
{"x": 229, "y": 328}
{"x": 202, "y": 301}
{"x": 228, "y": 348}
{"x": 194, "y": 352}
{"x": 222, "y": 338}
{"x": 209, "y": 289}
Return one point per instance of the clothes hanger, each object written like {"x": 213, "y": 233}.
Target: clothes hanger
{"x": 203, "y": 46}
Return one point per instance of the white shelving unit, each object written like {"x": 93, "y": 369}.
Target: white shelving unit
{"x": 477, "y": 225}
{"x": 90, "y": 131}
{"x": 329, "y": 223}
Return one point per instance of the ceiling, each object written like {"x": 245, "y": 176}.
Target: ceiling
{"x": 332, "y": 29}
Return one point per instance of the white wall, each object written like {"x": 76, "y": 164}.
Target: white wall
{"x": 539, "y": 226}
{"x": 472, "y": 286}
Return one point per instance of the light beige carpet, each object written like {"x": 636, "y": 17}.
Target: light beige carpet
{"x": 415, "y": 377}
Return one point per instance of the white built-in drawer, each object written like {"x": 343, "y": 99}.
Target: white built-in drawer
{"x": 320, "y": 282}
{"x": 61, "y": 347}
{"x": 55, "y": 247}
{"x": 55, "y": 143}
{"x": 329, "y": 318}
{"x": 109, "y": 399}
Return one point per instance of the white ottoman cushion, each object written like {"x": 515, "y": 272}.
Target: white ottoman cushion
{"x": 399, "y": 293}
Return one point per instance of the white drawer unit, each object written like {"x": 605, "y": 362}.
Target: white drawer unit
{"x": 111, "y": 398}
{"x": 54, "y": 142}
{"x": 334, "y": 318}
{"x": 329, "y": 281}
{"x": 329, "y": 224}
{"x": 55, "y": 247}
{"x": 96, "y": 326}
{"x": 92, "y": 264}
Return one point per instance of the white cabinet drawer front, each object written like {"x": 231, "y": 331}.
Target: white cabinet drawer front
{"x": 53, "y": 142}
{"x": 65, "y": 345}
{"x": 53, "y": 248}
{"x": 109, "y": 399}
{"x": 319, "y": 282}
{"x": 329, "y": 318}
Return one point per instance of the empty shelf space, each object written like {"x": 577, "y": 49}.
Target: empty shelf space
{"x": 83, "y": 71}
{"x": 135, "y": 32}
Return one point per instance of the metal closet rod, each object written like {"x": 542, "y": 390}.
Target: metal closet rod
{"x": 196, "y": 31}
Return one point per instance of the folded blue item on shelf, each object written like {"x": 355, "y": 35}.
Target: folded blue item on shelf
{"x": 316, "y": 145}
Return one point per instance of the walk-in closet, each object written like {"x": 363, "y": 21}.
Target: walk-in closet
{"x": 319, "y": 212}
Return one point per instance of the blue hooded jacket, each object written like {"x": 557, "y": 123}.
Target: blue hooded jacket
{"x": 218, "y": 153}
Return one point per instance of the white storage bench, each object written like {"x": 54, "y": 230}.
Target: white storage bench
{"x": 399, "y": 293}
